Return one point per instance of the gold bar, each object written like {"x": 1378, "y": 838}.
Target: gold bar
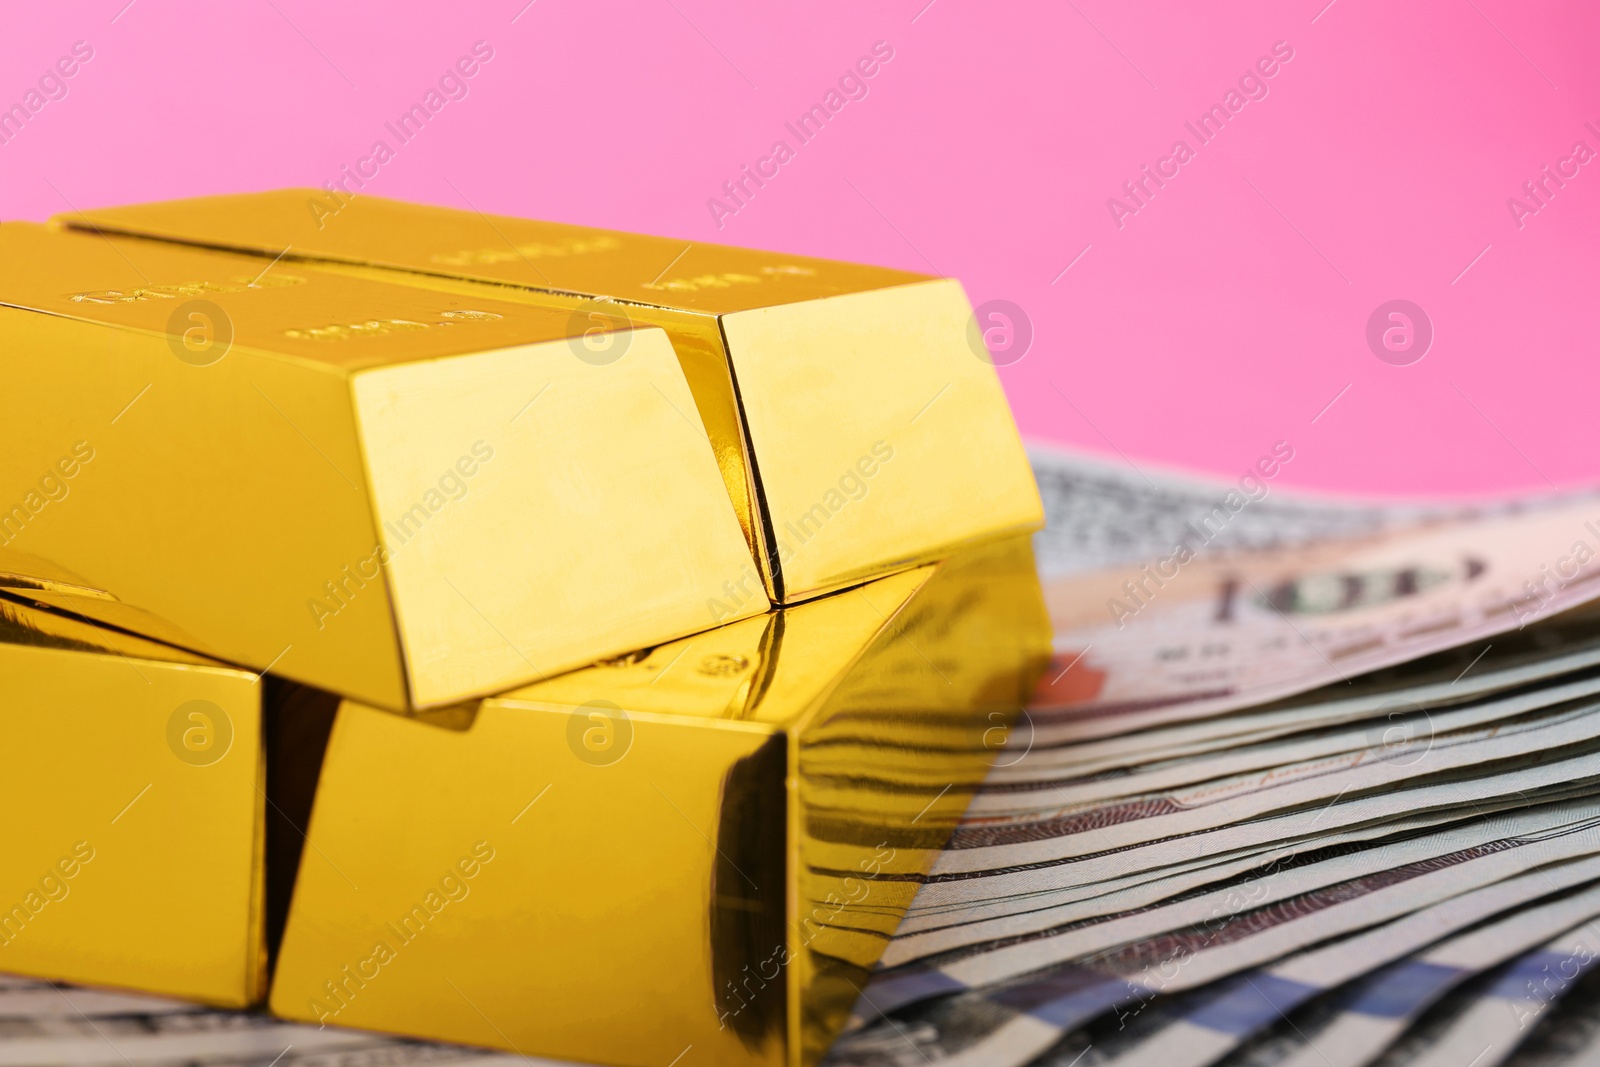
{"x": 404, "y": 496}
{"x": 132, "y": 778}
{"x": 713, "y": 838}
{"x": 858, "y": 424}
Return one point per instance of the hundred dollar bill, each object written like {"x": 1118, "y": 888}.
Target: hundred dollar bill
{"x": 1477, "y": 1024}
{"x": 1194, "y": 633}
{"x": 1537, "y": 655}
{"x": 970, "y": 898}
{"x": 1453, "y": 1014}
{"x": 1485, "y": 1023}
{"x": 1212, "y": 1021}
{"x": 1544, "y": 771}
{"x": 1020, "y": 944}
{"x": 1072, "y": 903}
{"x": 1249, "y": 1002}
{"x": 1100, "y": 512}
{"x": 985, "y": 843}
{"x": 1567, "y": 1033}
{"x": 1365, "y": 1018}
{"x": 1012, "y": 1022}
{"x": 938, "y": 929}
{"x": 1392, "y": 735}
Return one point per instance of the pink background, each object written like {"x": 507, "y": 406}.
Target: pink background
{"x": 1223, "y": 316}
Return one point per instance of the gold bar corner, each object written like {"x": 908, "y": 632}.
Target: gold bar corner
{"x": 133, "y": 779}
{"x": 714, "y": 838}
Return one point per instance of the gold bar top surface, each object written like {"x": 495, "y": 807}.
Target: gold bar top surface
{"x": 288, "y": 311}
{"x": 580, "y": 260}
{"x": 855, "y": 415}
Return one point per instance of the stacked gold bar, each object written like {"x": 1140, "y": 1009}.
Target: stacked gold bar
{"x": 664, "y": 605}
{"x": 855, "y": 425}
{"x": 397, "y": 494}
{"x": 132, "y": 780}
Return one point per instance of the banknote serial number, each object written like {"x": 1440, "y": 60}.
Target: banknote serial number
{"x": 173, "y": 292}
{"x": 348, "y": 331}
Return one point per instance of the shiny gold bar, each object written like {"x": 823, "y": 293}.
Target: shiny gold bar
{"x": 858, "y": 424}
{"x": 132, "y": 779}
{"x": 403, "y": 496}
{"x": 710, "y": 840}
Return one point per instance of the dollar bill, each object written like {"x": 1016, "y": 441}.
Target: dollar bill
{"x": 1101, "y": 512}
{"x": 1362, "y": 1020}
{"x": 1231, "y": 699}
{"x": 1012, "y": 1022}
{"x": 1480, "y": 1023}
{"x": 1078, "y": 902}
{"x": 1485, "y": 1022}
{"x": 1541, "y": 650}
{"x": 1148, "y": 886}
{"x": 1465, "y": 1011}
{"x": 1564, "y": 649}
{"x": 986, "y": 843}
{"x": 1554, "y": 770}
{"x": 993, "y": 951}
{"x": 1252, "y": 1001}
{"x": 1402, "y": 728}
{"x": 969, "y": 922}
{"x": 1195, "y": 634}
{"x": 1566, "y": 1033}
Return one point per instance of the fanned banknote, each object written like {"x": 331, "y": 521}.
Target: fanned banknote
{"x": 1196, "y": 627}
{"x": 1271, "y": 724}
{"x": 1359, "y": 1022}
{"x": 1528, "y": 1014}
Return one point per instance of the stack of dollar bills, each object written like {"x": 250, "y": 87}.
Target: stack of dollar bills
{"x": 1309, "y": 781}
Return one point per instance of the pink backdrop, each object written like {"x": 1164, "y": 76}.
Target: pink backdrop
{"x": 1223, "y": 315}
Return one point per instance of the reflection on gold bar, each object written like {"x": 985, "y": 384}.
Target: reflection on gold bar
{"x": 712, "y": 839}
{"x": 858, "y": 424}
{"x": 132, "y": 780}
{"x": 403, "y": 496}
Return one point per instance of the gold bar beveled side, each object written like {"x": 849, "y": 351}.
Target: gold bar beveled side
{"x": 132, "y": 778}
{"x": 857, "y": 421}
{"x": 710, "y": 840}
{"x": 404, "y": 496}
